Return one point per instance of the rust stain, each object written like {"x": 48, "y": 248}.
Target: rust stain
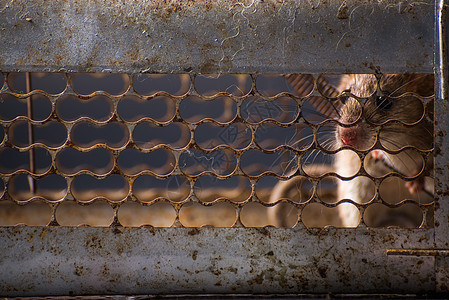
{"x": 79, "y": 270}
{"x": 43, "y": 233}
{"x": 195, "y": 255}
{"x": 193, "y": 231}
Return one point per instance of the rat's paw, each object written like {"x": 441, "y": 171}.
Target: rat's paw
{"x": 378, "y": 154}
{"x": 415, "y": 186}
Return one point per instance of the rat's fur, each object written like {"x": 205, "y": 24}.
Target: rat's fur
{"x": 393, "y": 136}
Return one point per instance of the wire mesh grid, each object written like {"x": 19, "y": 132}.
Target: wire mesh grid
{"x": 228, "y": 151}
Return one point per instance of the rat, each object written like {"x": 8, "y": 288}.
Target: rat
{"x": 387, "y": 98}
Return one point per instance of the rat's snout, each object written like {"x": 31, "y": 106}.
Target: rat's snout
{"x": 349, "y": 136}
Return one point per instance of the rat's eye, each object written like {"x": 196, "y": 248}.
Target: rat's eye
{"x": 343, "y": 97}
{"x": 384, "y": 103}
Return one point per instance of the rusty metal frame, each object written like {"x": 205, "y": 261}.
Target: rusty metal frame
{"x": 441, "y": 139}
{"x": 224, "y": 36}
{"x": 88, "y": 260}
{"x": 83, "y": 260}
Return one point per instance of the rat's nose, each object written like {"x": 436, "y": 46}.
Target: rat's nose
{"x": 349, "y": 136}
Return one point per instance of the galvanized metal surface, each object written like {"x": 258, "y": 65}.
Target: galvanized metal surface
{"x": 61, "y": 261}
{"x": 217, "y": 36}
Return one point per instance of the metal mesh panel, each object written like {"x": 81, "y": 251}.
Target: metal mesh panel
{"x": 231, "y": 150}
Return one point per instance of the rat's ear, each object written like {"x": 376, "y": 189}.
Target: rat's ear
{"x": 329, "y": 107}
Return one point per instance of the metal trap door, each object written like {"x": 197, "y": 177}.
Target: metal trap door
{"x": 149, "y": 40}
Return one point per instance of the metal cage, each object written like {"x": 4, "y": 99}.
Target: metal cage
{"x": 225, "y": 37}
